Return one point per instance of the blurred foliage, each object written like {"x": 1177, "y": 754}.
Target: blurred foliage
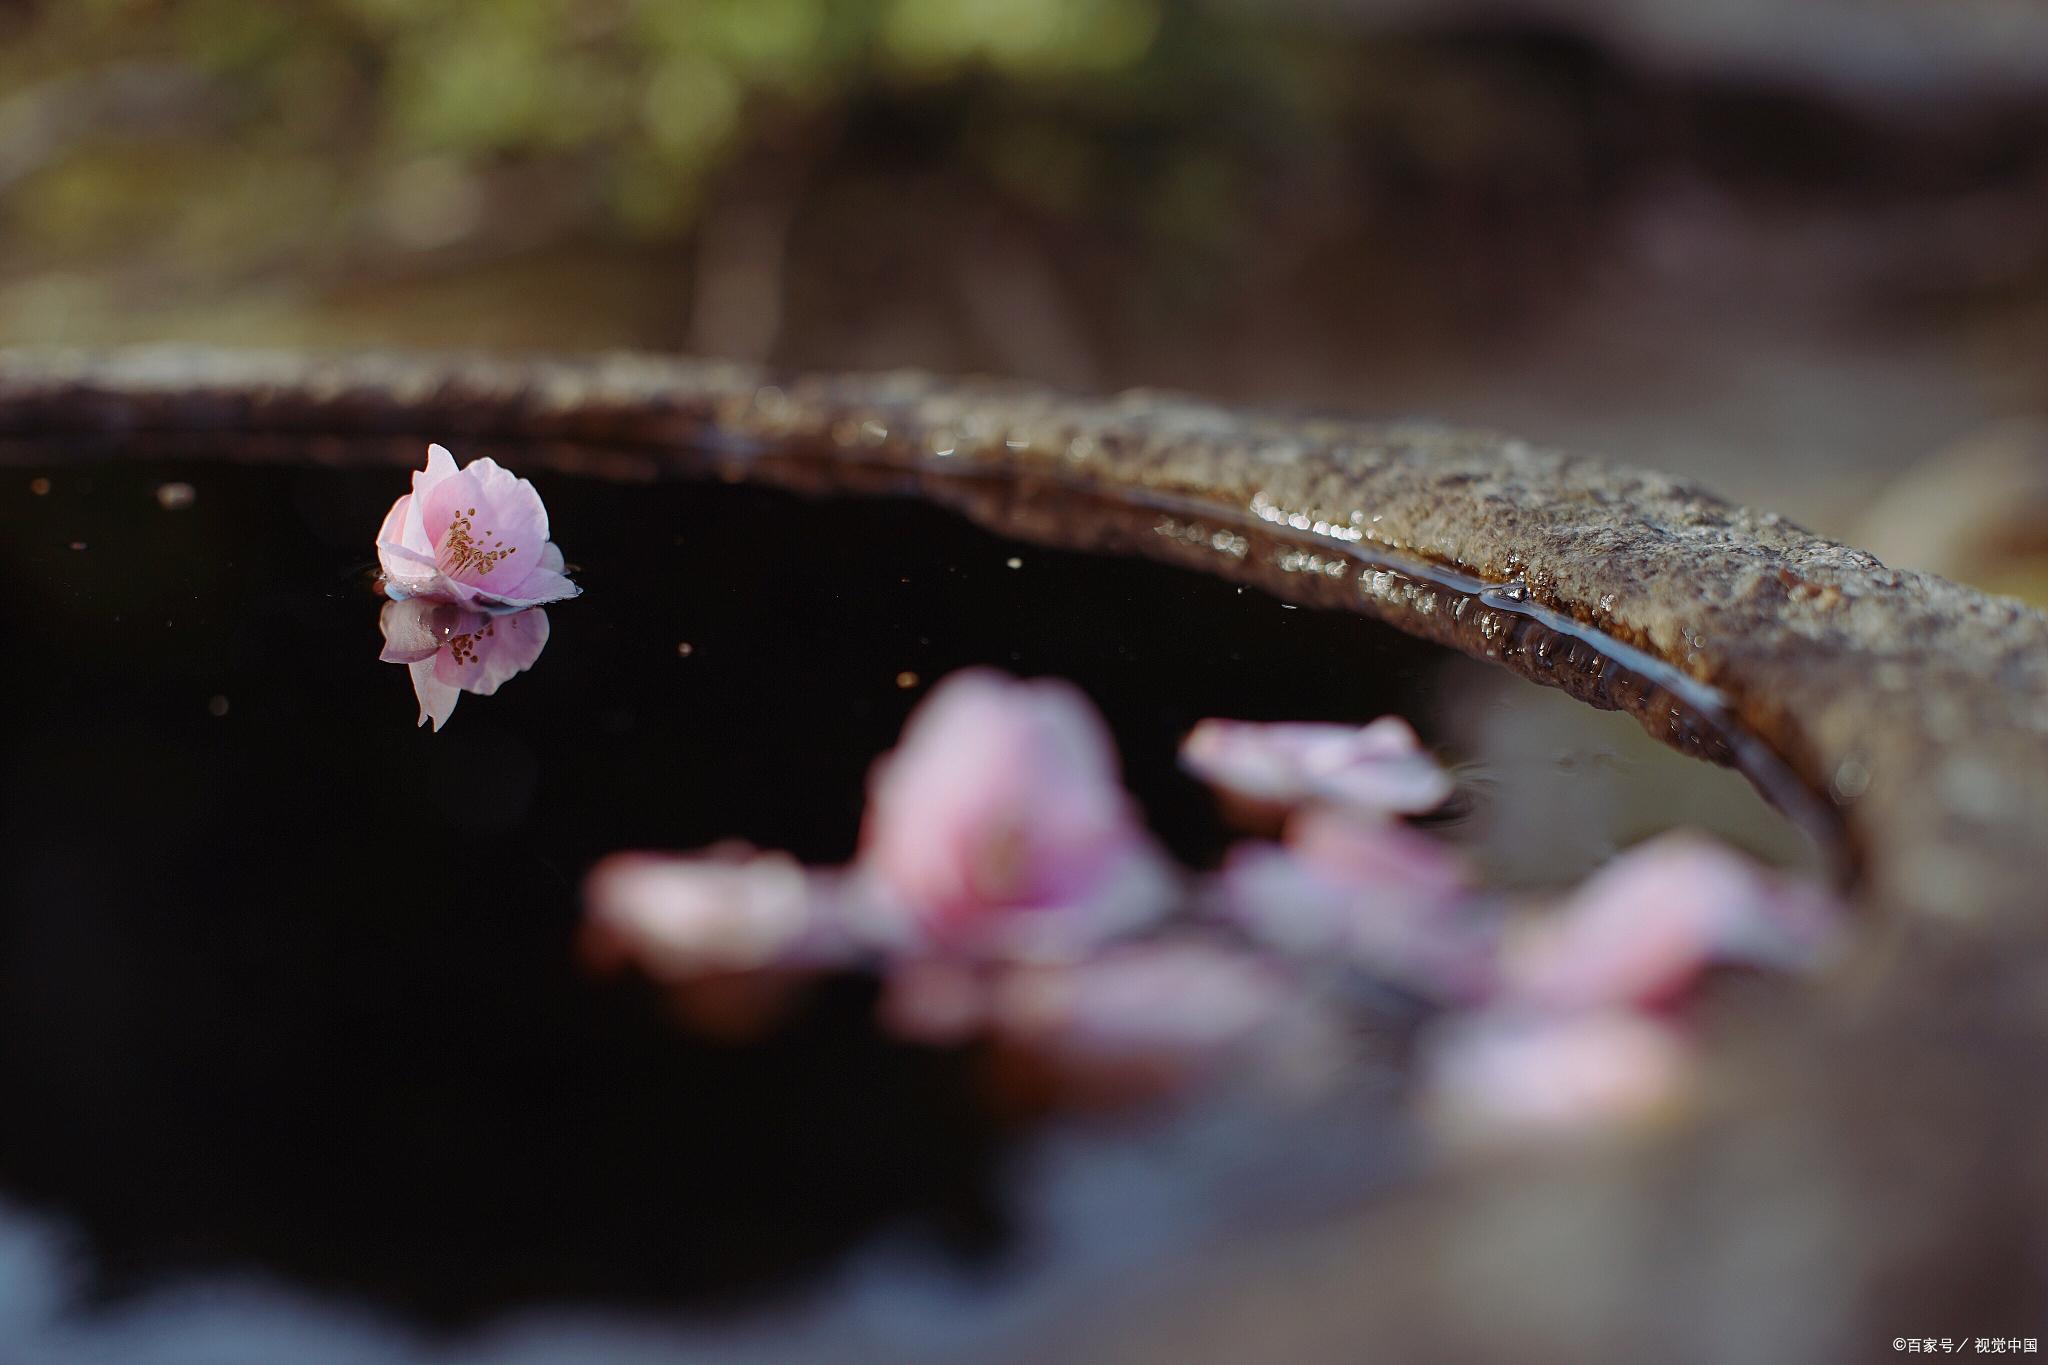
{"x": 218, "y": 135}
{"x": 1219, "y": 193}
{"x": 433, "y": 121}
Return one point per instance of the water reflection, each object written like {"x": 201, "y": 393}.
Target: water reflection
{"x": 450, "y": 650}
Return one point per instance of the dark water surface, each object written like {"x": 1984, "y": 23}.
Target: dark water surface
{"x": 288, "y": 985}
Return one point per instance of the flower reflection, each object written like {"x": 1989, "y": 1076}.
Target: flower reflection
{"x": 450, "y": 650}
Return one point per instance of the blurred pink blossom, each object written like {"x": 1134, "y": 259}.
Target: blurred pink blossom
{"x": 998, "y": 825}
{"x": 450, "y": 650}
{"x": 728, "y": 909}
{"x": 475, "y": 536}
{"x": 1378, "y": 894}
{"x": 1179, "y": 1000}
{"x": 1139, "y": 1019}
{"x": 1498, "y": 1076}
{"x": 1379, "y": 769}
{"x": 1645, "y": 927}
{"x": 937, "y": 1000}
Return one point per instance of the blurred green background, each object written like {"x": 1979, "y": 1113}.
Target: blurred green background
{"x": 1792, "y": 250}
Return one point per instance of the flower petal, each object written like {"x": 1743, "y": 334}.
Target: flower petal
{"x": 440, "y": 467}
{"x": 407, "y": 575}
{"x": 1648, "y": 925}
{"x": 493, "y": 651}
{"x": 998, "y": 824}
{"x": 730, "y": 909}
{"x": 1379, "y": 769}
{"x": 512, "y": 498}
{"x": 1182, "y": 1000}
{"x": 437, "y": 699}
{"x": 1379, "y": 895}
{"x": 1498, "y": 1076}
{"x": 538, "y": 588}
{"x": 415, "y": 629}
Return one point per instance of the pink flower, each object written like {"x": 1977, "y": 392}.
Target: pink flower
{"x": 1379, "y": 894}
{"x": 999, "y": 825}
{"x": 729, "y": 909}
{"x": 451, "y": 650}
{"x": 1646, "y": 926}
{"x": 1381, "y": 769}
{"x": 1490, "y": 1077}
{"x": 475, "y": 536}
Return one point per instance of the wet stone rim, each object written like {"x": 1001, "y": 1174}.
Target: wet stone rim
{"x": 1881, "y": 1137}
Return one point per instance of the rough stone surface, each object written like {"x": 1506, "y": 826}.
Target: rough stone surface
{"x": 1867, "y": 1152}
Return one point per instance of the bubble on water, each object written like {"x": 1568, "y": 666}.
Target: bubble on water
{"x": 78, "y": 545}
{"x": 217, "y": 705}
{"x": 39, "y": 487}
{"x": 906, "y": 680}
{"x": 173, "y": 497}
{"x": 1014, "y": 562}
{"x": 684, "y": 649}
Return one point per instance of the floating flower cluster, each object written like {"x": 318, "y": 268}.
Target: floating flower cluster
{"x": 1007, "y": 892}
{"x": 467, "y": 563}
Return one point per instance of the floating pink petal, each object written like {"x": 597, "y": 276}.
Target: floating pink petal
{"x": 450, "y": 650}
{"x": 999, "y": 825}
{"x": 1378, "y": 894}
{"x": 1380, "y": 769}
{"x": 1645, "y": 927}
{"x": 730, "y": 909}
{"x": 1503, "y": 1076}
{"x": 473, "y": 536}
